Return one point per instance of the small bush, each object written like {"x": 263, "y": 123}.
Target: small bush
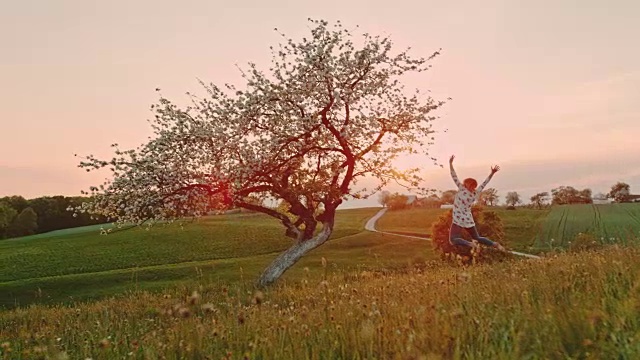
{"x": 511, "y": 207}
{"x": 397, "y": 202}
{"x": 489, "y": 225}
{"x": 584, "y": 242}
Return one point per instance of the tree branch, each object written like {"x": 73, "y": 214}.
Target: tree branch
{"x": 375, "y": 143}
{"x": 292, "y": 230}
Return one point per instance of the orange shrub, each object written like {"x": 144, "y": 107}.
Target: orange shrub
{"x": 489, "y": 225}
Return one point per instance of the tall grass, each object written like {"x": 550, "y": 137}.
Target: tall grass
{"x": 573, "y": 305}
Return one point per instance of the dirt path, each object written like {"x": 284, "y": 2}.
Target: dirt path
{"x": 371, "y": 226}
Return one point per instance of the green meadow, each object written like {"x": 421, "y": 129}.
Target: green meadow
{"x": 187, "y": 292}
{"x": 86, "y": 265}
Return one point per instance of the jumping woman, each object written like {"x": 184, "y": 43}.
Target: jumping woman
{"x": 468, "y": 194}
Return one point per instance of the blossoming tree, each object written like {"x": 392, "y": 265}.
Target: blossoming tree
{"x": 327, "y": 114}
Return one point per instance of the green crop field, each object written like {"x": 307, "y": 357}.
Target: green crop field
{"x": 607, "y": 223}
{"x": 86, "y": 265}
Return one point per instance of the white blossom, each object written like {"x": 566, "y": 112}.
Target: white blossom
{"x": 328, "y": 112}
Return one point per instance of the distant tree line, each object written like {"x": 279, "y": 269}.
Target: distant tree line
{"x": 621, "y": 192}
{"x": 569, "y": 195}
{"x": 562, "y": 195}
{"x": 21, "y": 217}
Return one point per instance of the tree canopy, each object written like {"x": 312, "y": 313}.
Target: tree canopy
{"x": 569, "y": 195}
{"x": 489, "y": 197}
{"x": 620, "y": 192}
{"x": 329, "y": 112}
{"x": 513, "y": 198}
{"x": 7, "y": 214}
{"x": 26, "y": 223}
{"x": 540, "y": 199}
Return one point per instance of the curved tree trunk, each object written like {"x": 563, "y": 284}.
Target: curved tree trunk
{"x": 288, "y": 258}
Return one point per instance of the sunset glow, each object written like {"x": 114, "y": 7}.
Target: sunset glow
{"x": 548, "y": 91}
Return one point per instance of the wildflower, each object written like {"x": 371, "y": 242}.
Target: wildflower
{"x": 208, "y": 307}
{"x": 104, "y": 343}
{"x": 258, "y": 297}
{"x": 184, "y": 312}
{"x": 193, "y": 299}
{"x": 464, "y": 277}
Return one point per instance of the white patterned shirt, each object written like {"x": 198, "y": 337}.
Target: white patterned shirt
{"x": 464, "y": 200}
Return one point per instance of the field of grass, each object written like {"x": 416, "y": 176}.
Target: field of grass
{"x": 67, "y": 232}
{"x": 409, "y": 221}
{"x": 521, "y": 226}
{"x": 79, "y": 264}
{"x": 572, "y": 306}
{"x": 86, "y": 265}
{"x": 188, "y": 293}
{"x": 610, "y": 223}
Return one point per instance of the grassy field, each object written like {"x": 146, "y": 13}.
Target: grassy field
{"x": 610, "y": 223}
{"x": 409, "y": 221}
{"x": 85, "y": 265}
{"x": 80, "y": 264}
{"x": 66, "y": 232}
{"x": 572, "y": 306}
{"x": 521, "y": 226}
{"x": 173, "y": 293}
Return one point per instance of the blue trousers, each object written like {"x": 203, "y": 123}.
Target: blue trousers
{"x": 455, "y": 236}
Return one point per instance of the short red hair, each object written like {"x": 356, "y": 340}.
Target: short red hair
{"x": 470, "y": 183}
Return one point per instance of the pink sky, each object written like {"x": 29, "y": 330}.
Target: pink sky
{"x": 549, "y": 90}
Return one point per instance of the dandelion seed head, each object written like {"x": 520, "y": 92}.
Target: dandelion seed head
{"x": 104, "y": 343}
{"x": 208, "y": 307}
{"x": 184, "y": 312}
{"x": 194, "y": 298}
{"x": 258, "y": 297}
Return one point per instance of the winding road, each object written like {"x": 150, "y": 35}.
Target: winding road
{"x": 371, "y": 226}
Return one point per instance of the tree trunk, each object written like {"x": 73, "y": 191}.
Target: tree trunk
{"x": 288, "y": 258}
